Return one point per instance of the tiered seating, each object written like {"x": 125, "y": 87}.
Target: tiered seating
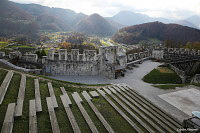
{"x": 119, "y": 111}
{"x": 96, "y": 111}
{"x": 52, "y": 115}
{"x": 142, "y": 115}
{"x": 90, "y": 123}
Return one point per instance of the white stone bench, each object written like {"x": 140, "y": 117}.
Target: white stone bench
{"x": 37, "y": 96}
{"x": 52, "y": 95}
{"x": 4, "y": 85}
{"x": 32, "y": 117}
{"x": 70, "y": 115}
{"x": 66, "y": 95}
{"x": 9, "y": 119}
{"x": 96, "y": 111}
{"x": 94, "y": 94}
{"x": 52, "y": 115}
{"x": 87, "y": 118}
{"x": 21, "y": 95}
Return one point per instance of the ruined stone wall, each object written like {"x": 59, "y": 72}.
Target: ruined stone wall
{"x": 71, "y": 68}
{"x": 196, "y": 79}
{"x": 88, "y": 63}
{"x": 137, "y": 56}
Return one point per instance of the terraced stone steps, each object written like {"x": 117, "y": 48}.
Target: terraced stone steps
{"x": 120, "y": 112}
{"x": 52, "y": 115}
{"x": 87, "y": 118}
{"x": 149, "y": 129}
{"x": 154, "y": 107}
{"x": 96, "y": 111}
{"x": 152, "y": 112}
{"x": 148, "y": 114}
{"x": 70, "y": 115}
{"x": 127, "y": 104}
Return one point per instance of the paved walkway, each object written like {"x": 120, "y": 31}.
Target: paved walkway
{"x": 83, "y": 79}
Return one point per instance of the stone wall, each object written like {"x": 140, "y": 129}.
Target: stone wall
{"x": 137, "y": 56}
{"x": 71, "y": 68}
{"x": 196, "y": 79}
{"x": 181, "y": 73}
{"x": 89, "y": 63}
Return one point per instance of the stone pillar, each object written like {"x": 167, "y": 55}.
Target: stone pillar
{"x": 75, "y": 54}
{"x": 51, "y": 54}
{"x": 44, "y": 59}
{"x": 62, "y": 54}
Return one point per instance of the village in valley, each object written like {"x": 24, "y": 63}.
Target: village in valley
{"x": 87, "y": 73}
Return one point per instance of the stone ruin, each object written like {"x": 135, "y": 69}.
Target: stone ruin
{"x": 138, "y": 56}
{"x": 105, "y": 62}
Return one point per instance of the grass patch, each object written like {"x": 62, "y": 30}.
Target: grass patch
{"x": 173, "y": 86}
{"x": 162, "y": 75}
{"x": 3, "y": 44}
{"x": 170, "y": 86}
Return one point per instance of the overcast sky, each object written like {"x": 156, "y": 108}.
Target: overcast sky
{"x": 171, "y": 9}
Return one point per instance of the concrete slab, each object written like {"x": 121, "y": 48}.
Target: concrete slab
{"x": 32, "y": 117}
{"x": 185, "y": 100}
{"x": 21, "y": 96}
{"x": 4, "y": 85}
{"x": 9, "y": 119}
{"x": 94, "y": 94}
{"x": 52, "y": 95}
{"x": 76, "y": 97}
{"x": 66, "y": 95}
{"x": 37, "y": 96}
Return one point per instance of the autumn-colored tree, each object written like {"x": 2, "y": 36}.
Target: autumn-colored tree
{"x": 65, "y": 45}
{"x": 193, "y": 45}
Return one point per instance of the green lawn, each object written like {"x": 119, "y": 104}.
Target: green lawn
{"x": 173, "y": 86}
{"x": 170, "y": 86}
{"x": 162, "y": 75}
{"x": 3, "y": 45}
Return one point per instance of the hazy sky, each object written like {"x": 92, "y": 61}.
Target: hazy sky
{"x": 178, "y": 9}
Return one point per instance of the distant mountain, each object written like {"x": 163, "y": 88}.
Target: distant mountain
{"x": 195, "y": 20}
{"x": 96, "y": 25}
{"x": 129, "y": 18}
{"x": 57, "y": 18}
{"x": 14, "y": 20}
{"x": 157, "y": 30}
{"x": 186, "y": 23}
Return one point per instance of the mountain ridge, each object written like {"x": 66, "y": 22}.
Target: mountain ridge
{"x": 174, "y": 32}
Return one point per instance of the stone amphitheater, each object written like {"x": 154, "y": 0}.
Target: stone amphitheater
{"x": 33, "y": 104}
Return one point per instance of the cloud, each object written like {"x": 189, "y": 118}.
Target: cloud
{"x": 174, "y": 9}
